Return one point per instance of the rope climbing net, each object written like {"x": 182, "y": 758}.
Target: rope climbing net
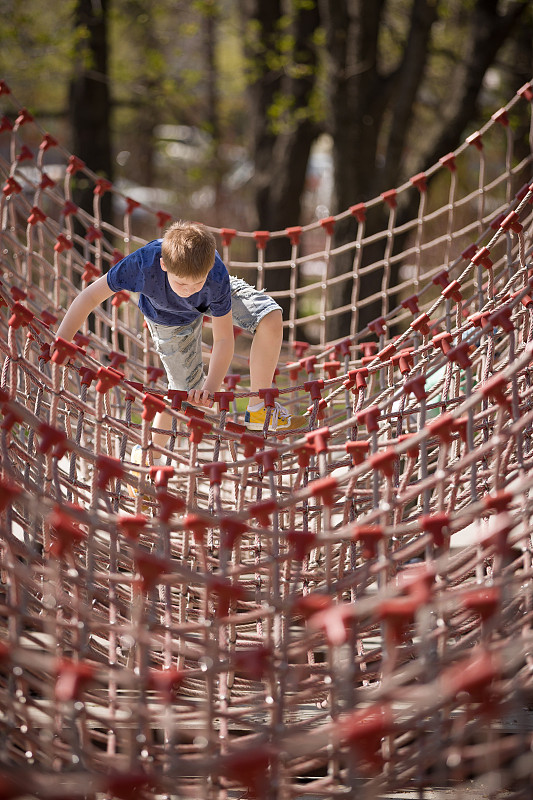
{"x": 345, "y": 610}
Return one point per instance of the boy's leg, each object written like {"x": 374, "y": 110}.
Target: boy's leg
{"x": 264, "y": 353}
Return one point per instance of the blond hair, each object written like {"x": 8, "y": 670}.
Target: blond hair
{"x": 188, "y": 250}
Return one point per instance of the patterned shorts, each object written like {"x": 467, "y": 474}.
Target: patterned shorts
{"x": 180, "y": 347}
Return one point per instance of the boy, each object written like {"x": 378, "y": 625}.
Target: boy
{"x": 179, "y": 279}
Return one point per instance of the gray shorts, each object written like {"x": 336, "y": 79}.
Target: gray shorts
{"x": 180, "y": 347}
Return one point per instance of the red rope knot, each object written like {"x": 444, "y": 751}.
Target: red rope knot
{"x": 343, "y": 348}
{"x": 71, "y": 679}
{"x": 387, "y": 352}
{"x": 23, "y": 117}
{"x": 324, "y": 489}
{"x": 420, "y": 182}
{"x": 177, "y": 397}
{"x": 438, "y": 527}
{"x": 261, "y": 239}
{"x": 87, "y": 376}
{"x": 309, "y": 604}
{"x": 47, "y": 142}
{"x": 25, "y": 154}
{"x": 309, "y": 364}
{"x": 369, "y": 537}
{"x": 525, "y": 91}
{"x": 167, "y": 682}
{"x": 332, "y": 368}
{"x": 328, "y": 224}
{"x": 253, "y": 662}
{"x": 502, "y": 318}
{"x": 267, "y": 459}
{"x": 12, "y": 416}
{"x": 511, "y": 222}
{"x": 389, "y": 197}
{"x": 163, "y": 218}
{"x": 75, "y": 164}
{"x": 442, "y": 427}
{"x": 152, "y": 405}
{"x": 198, "y": 427}
{"x": 116, "y": 359}
{"x": 416, "y": 386}
{"x": 131, "y": 525}
{"x": 227, "y": 235}
{"x": 294, "y": 370}
{"x": 398, "y": 614}
{"x": 362, "y": 732}
{"x": 63, "y": 350}
{"x": 232, "y": 530}
{"x": 448, "y": 161}
{"x": 443, "y": 340}
{"x": 120, "y": 297}
{"x": 459, "y": 355}
{"x": 473, "y": 676}
{"x": 108, "y": 468}
{"x": 384, "y": 461}
{"x": 17, "y": 293}
{"x": 249, "y": 768}
{"x": 482, "y": 257}
{"x": 131, "y": 205}
{"x": 502, "y": 117}
{"x": 357, "y": 378}
{"x": 414, "y": 449}
{"x": 377, "y": 326}
{"x": 36, "y": 215}
{"x": 160, "y": 474}
{"x": 102, "y": 185}
{"x": 65, "y": 530}
{"x": 404, "y": 360}
{"x": 476, "y": 140}
{"x": 11, "y": 186}
{"x": 314, "y": 388}
{"x": 358, "y": 451}
{"x": 150, "y": 568}
{"x": 484, "y": 601}
{"x": 303, "y": 453}
{"x": 453, "y": 291}
{"x": 214, "y": 471}
{"x": 359, "y": 212}
{"x": 232, "y": 381}
{"x": 46, "y": 182}
{"x": 411, "y": 303}
{"x": 224, "y": 399}
{"x": 269, "y": 395}
{"x": 227, "y": 594}
{"x": 168, "y": 503}
{"x": 495, "y": 388}
{"x": 480, "y": 319}
{"x": 421, "y": 324}
{"x": 251, "y": 443}
{"x": 300, "y": 543}
{"x": 319, "y": 439}
{"x": 69, "y": 208}
{"x": 4, "y": 88}
{"x": 294, "y": 234}
{"x": 369, "y": 417}
{"x": 93, "y": 234}
{"x": 336, "y": 622}
{"x": 262, "y": 510}
{"x": 108, "y": 378}
{"x": 300, "y": 348}
{"x": 20, "y": 316}
{"x": 5, "y": 123}
{"x": 499, "y": 501}
{"x": 9, "y": 491}
{"x": 63, "y": 243}
{"x": 47, "y": 318}
{"x": 53, "y": 439}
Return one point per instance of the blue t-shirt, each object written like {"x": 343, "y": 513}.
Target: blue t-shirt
{"x": 141, "y": 272}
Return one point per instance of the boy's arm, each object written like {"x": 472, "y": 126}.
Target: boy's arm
{"x": 81, "y": 307}
{"x": 221, "y": 355}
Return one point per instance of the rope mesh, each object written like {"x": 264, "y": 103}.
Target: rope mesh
{"x": 345, "y": 610}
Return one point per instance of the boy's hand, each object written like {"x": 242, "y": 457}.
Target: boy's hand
{"x": 200, "y": 397}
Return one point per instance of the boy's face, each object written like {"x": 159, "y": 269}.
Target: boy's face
{"x": 184, "y": 287}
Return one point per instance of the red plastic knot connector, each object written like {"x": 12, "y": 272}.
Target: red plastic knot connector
{"x": 389, "y": 198}
{"x": 75, "y": 164}
{"x": 497, "y": 221}
{"x": 301, "y": 543}
{"x": 249, "y": 768}
{"x": 23, "y": 117}
{"x": 12, "y": 416}
{"x": 116, "y": 359}
{"x": 87, "y": 376}
{"x": 69, "y": 208}
{"x": 404, "y": 359}
{"x": 167, "y": 682}
{"x": 294, "y": 234}
{"x": 525, "y": 91}
{"x": 36, "y": 216}
{"x": 47, "y": 318}
{"x": 414, "y": 449}
{"x": 303, "y": 453}
{"x": 108, "y": 468}
{"x": 9, "y": 491}
{"x": 269, "y": 395}
{"x": 328, "y": 224}
{"x": 377, "y": 326}
{"x": 343, "y": 348}
{"x": 363, "y": 731}
{"x": 20, "y": 316}
{"x": 63, "y": 243}
{"x": 150, "y": 568}
{"x": 227, "y": 235}
{"x": 358, "y": 451}
{"x": 267, "y": 459}
{"x": 319, "y": 439}
{"x": 160, "y": 474}
{"x": 261, "y": 239}
{"x": 420, "y": 181}
{"x": 480, "y": 319}
{"x": 214, "y": 471}
{"x": 438, "y": 527}
{"x": 199, "y": 428}
{"x": 448, "y": 161}
{"x": 66, "y": 533}
{"x": 102, "y": 185}
{"x": 495, "y": 387}
{"x": 502, "y": 117}
{"x": 224, "y": 399}
{"x": 117, "y": 256}
{"x": 359, "y": 212}
{"x": 502, "y": 318}
{"x": 177, "y": 397}
{"x": 232, "y": 381}
{"x": 511, "y": 222}
{"x": 335, "y": 621}
{"x": 93, "y": 234}
{"x": 460, "y": 426}
{"x": 459, "y": 355}
{"x": 369, "y": 417}
{"x": 308, "y": 364}
{"x": 482, "y": 257}
{"x": 475, "y": 677}
{"x": 108, "y": 378}
{"x": 357, "y": 378}
{"x": 442, "y": 427}
{"x": 227, "y": 594}
{"x": 72, "y": 677}
{"x": 46, "y": 182}
{"x": 131, "y": 525}
{"x": 300, "y": 348}
{"x": 232, "y": 530}
{"x": 499, "y": 501}
{"x": 310, "y": 604}
{"x": 416, "y": 386}
{"x": 294, "y": 370}
{"x": 387, "y": 352}
{"x": 369, "y": 536}
{"x": 17, "y": 293}
{"x": 47, "y": 142}
{"x": 484, "y": 601}
{"x": 52, "y": 439}
{"x": 253, "y": 662}
{"x": 453, "y": 292}
{"x": 163, "y": 218}
{"x": 131, "y": 205}
{"x": 5, "y": 123}
{"x": 384, "y": 461}
{"x": 152, "y": 405}
{"x": 331, "y": 368}
{"x": 324, "y": 489}
{"x": 411, "y": 303}
{"x": 129, "y": 785}
{"x": 153, "y": 374}
{"x": 11, "y": 186}
{"x": 500, "y": 526}
{"x": 469, "y": 252}
{"x": 25, "y": 154}
{"x": 476, "y": 140}
{"x": 314, "y": 387}
{"x": 398, "y": 613}
{"x": 421, "y": 324}
{"x": 262, "y": 510}
{"x": 168, "y": 503}
{"x": 251, "y": 443}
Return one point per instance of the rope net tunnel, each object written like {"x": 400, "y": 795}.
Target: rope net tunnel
{"x": 348, "y": 609}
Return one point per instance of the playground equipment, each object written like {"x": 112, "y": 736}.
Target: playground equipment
{"x": 346, "y": 612}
